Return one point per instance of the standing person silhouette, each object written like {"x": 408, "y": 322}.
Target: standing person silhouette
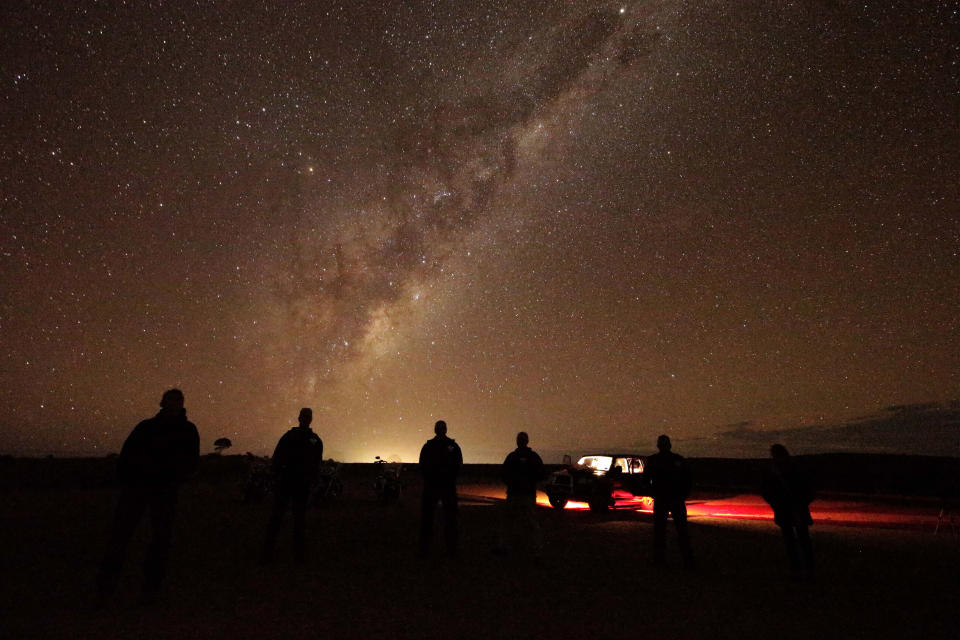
{"x": 157, "y": 456}
{"x": 522, "y": 470}
{"x": 295, "y": 466}
{"x": 669, "y": 479}
{"x": 440, "y": 461}
{"x": 789, "y": 492}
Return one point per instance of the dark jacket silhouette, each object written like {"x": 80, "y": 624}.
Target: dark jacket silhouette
{"x": 157, "y": 456}
{"x": 440, "y": 461}
{"x": 669, "y": 480}
{"x": 160, "y": 451}
{"x": 519, "y": 529}
{"x": 668, "y": 476}
{"x": 522, "y": 470}
{"x": 295, "y": 465}
{"x": 789, "y": 491}
{"x": 297, "y": 457}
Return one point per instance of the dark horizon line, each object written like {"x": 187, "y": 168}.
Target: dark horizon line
{"x": 51, "y": 456}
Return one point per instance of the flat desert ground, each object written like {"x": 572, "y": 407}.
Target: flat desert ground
{"x": 365, "y": 579}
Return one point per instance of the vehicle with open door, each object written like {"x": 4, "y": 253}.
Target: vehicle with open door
{"x": 602, "y": 481}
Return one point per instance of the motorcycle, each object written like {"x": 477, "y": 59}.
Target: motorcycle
{"x": 387, "y": 484}
{"x": 328, "y": 486}
{"x": 258, "y": 480}
{"x": 260, "y": 483}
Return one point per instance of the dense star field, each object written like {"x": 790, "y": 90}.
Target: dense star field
{"x": 732, "y": 222}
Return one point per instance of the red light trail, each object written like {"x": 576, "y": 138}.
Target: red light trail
{"x": 844, "y": 511}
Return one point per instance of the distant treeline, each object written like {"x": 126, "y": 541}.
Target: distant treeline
{"x": 868, "y": 474}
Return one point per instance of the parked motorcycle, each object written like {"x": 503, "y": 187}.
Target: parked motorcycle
{"x": 258, "y": 481}
{"x": 328, "y": 487}
{"x": 387, "y": 484}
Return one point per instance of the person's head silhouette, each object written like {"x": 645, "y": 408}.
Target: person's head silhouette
{"x": 779, "y": 453}
{"x": 663, "y": 443}
{"x": 523, "y": 439}
{"x": 440, "y": 428}
{"x": 305, "y": 417}
{"x": 172, "y": 401}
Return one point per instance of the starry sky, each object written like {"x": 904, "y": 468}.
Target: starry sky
{"x": 732, "y": 222}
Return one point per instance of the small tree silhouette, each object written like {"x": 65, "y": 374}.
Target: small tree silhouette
{"x": 222, "y": 443}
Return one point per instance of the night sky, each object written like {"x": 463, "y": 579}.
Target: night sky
{"x": 732, "y": 222}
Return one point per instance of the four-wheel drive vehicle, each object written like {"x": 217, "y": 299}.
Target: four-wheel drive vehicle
{"x": 600, "y": 480}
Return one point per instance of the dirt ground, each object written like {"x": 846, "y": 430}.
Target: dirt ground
{"x": 366, "y": 580}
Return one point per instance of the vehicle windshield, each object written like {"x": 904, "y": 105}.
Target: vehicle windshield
{"x": 600, "y": 465}
{"x": 597, "y": 464}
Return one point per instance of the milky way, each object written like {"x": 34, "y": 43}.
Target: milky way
{"x": 596, "y": 222}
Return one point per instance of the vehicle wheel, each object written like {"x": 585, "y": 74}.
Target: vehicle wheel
{"x": 557, "y": 502}
{"x": 600, "y": 502}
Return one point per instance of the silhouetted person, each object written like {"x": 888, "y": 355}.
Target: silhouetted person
{"x": 522, "y": 470}
{"x": 440, "y": 460}
{"x": 669, "y": 480}
{"x": 295, "y": 466}
{"x": 157, "y": 456}
{"x": 789, "y": 492}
